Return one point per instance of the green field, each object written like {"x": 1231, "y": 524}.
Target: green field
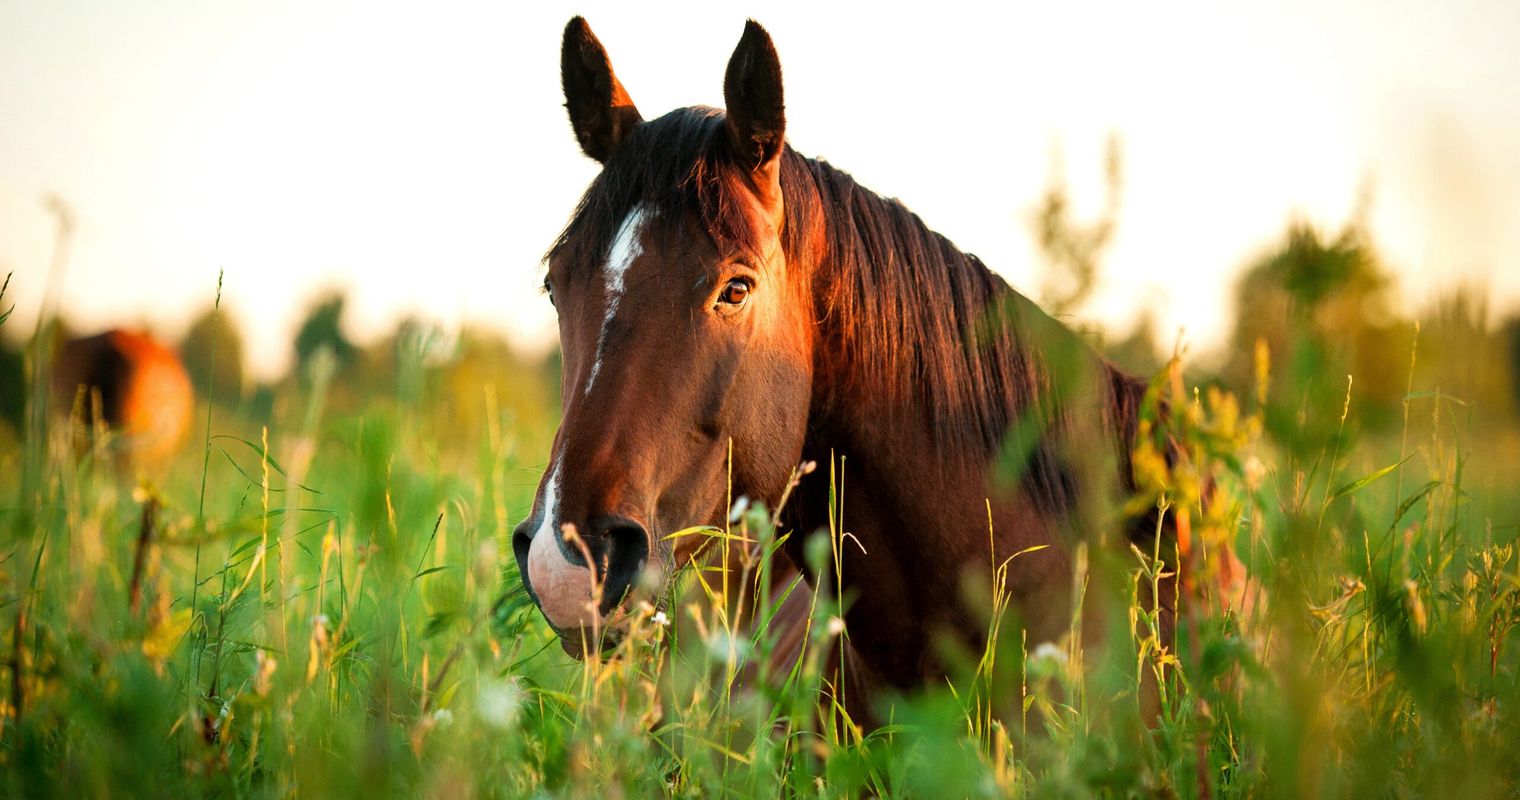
{"x": 317, "y": 599}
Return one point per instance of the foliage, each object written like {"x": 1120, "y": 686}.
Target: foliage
{"x": 322, "y": 330}
{"x": 1072, "y": 250}
{"x": 219, "y": 374}
{"x": 1323, "y": 309}
{"x": 335, "y": 612}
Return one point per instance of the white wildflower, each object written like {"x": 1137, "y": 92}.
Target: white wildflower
{"x": 732, "y": 649}
{"x": 1256, "y": 472}
{"x": 740, "y": 506}
{"x": 498, "y": 704}
{"x": 1048, "y": 651}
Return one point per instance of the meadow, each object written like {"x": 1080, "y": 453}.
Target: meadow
{"x": 317, "y": 598}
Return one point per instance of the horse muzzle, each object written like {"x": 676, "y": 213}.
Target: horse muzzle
{"x": 580, "y": 581}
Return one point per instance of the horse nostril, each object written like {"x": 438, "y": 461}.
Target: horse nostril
{"x": 522, "y": 539}
{"x": 624, "y": 551}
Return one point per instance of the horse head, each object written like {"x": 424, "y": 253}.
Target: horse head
{"x": 685, "y": 334}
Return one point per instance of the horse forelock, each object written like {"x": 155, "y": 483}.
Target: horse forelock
{"x": 674, "y": 166}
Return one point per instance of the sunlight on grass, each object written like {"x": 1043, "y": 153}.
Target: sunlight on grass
{"x": 323, "y": 603}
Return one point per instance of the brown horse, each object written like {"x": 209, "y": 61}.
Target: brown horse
{"x": 724, "y": 300}
{"x": 130, "y": 382}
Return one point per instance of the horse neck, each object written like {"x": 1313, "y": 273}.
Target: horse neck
{"x": 920, "y": 435}
{"x": 919, "y": 349}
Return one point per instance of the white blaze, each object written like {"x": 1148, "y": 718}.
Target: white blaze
{"x": 627, "y": 246}
{"x": 565, "y": 591}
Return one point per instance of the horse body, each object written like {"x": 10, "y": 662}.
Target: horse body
{"x": 729, "y": 308}
{"x": 133, "y": 384}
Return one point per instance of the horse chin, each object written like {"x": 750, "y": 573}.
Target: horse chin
{"x": 639, "y": 610}
{"x": 580, "y": 642}
{"x": 571, "y": 612}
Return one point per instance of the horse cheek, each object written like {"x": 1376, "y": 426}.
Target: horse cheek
{"x": 772, "y": 429}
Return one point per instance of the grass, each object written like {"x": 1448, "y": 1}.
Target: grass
{"x": 325, "y": 605}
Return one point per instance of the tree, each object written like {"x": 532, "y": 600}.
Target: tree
{"x": 1073, "y": 254}
{"x": 213, "y": 354}
{"x": 323, "y": 329}
{"x": 1322, "y": 309}
{"x": 1072, "y": 250}
{"x": 1509, "y": 333}
{"x": 1463, "y": 357}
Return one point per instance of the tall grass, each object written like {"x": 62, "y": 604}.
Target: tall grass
{"x": 325, "y": 606}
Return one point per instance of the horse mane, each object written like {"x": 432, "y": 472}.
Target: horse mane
{"x": 1001, "y": 379}
{"x": 913, "y": 314}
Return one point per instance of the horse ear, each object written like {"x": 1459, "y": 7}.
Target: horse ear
{"x": 756, "y": 114}
{"x": 600, "y": 110}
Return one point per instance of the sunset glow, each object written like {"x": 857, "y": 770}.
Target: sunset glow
{"x": 423, "y": 162}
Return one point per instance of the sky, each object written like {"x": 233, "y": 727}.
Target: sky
{"x": 420, "y": 158}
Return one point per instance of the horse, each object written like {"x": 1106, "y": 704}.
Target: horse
{"x": 131, "y": 383}
{"x": 729, "y": 308}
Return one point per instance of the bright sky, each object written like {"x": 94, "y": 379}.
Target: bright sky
{"x": 423, "y": 159}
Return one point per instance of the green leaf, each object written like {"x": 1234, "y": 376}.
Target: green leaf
{"x": 706, "y": 530}
{"x": 257, "y": 449}
{"x": 248, "y": 543}
{"x": 438, "y": 623}
{"x": 1414, "y": 498}
{"x": 6, "y": 314}
{"x": 1367, "y": 479}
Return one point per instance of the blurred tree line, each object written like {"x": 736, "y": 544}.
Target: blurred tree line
{"x": 454, "y": 381}
{"x": 1321, "y": 308}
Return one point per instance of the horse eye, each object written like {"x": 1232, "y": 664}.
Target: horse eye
{"x": 735, "y": 293}
{"x": 549, "y": 290}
